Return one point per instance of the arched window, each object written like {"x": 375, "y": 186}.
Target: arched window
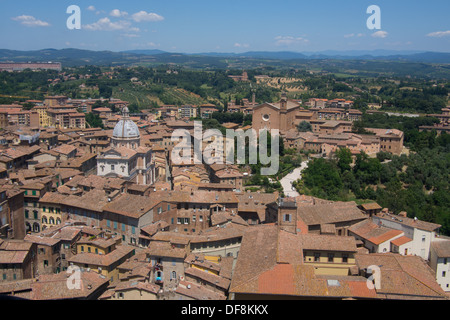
{"x": 174, "y": 275}
{"x": 36, "y": 227}
{"x": 52, "y": 220}
{"x": 44, "y": 220}
{"x": 58, "y": 221}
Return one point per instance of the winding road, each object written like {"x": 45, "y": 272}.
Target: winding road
{"x": 286, "y": 182}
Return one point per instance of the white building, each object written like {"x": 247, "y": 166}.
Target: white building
{"x": 126, "y": 158}
{"x": 440, "y": 262}
{"x": 376, "y": 238}
{"x": 420, "y": 233}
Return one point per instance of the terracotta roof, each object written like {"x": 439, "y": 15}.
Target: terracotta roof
{"x": 165, "y": 249}
{"x": 54, "y": 287}
{"x": 328, "y": 243}
{"x": 208, "y": 277}
{"x": 133, "y": 285}
{"x": 198, "y": 292}
{"x": 403, "y": 277}
{"x": 326, "y": 213}
{"x": 15, "y": 245}
{"x": 442, "y": 248}
{"x": 371, "y": 206}
{"x": 102, "y": 260}
{"x": 131, "y": 205}
{"x": 419, "y": 224}
{"x": 373, "y": 232}
{"x": 7, "y": 257}
{"x": 401, "y": 241}
{"x": 46, "y": 241}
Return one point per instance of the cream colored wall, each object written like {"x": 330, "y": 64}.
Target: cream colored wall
{"x": 323, "y": 267}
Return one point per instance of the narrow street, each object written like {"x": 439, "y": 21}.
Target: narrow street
{"x": 287, "y": 181}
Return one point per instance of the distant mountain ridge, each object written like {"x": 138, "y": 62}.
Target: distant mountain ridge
{"x": 78, "y": 57}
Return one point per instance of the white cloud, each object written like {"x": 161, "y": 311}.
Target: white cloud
{"x": 91, "y": 8}
{"x": 439, "y": 34}
{"x": 380, "y": 34}
{"x": 241, "y": 45}
{"x": 146, "y": 45}
{"x": 31, "y": 21}
{"x": 351, "y": 35}
{"x": 131, "y": 35}
{"x": 105, "y": 24}
{"x": 288, "y": 40}
{"x": 145, "y": 16}
{"x": 117, "y": 13}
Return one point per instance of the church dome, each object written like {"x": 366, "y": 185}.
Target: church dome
{"x": 126, "y": 128}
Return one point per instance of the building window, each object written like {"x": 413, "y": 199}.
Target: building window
{"x": 316, "y": 257}
{"x": 344, "y": 258}
{"x": 444, "y": 274}
{"x": 330, "y": 257}
{"x": 287, "y": 218}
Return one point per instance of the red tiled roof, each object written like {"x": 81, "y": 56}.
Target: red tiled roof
{"x": 401, "y": 241}
{"x": 279, "y": 280}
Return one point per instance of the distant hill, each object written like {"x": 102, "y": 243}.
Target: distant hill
{"x": 70, "y": 57}
{"x": 145, "y": 52}
{"x": 281, "y": 55}
{"x": 388, "y": 55}
{"x": 368, "y": 63}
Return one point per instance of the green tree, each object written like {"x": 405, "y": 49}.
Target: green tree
{"x": 344, "y": 157}
{"x": 304, "y": 126}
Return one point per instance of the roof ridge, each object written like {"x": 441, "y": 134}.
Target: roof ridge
{"x": 412, "y": 276}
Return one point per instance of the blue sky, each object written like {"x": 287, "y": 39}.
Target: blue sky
{"x": 194, "y": 26}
